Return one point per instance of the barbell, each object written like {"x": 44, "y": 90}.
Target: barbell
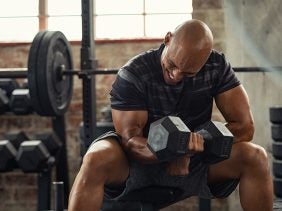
{"x": 49, "y": 73}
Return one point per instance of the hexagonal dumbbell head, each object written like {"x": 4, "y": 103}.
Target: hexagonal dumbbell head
{"x": 32, "y": 156}
{"x": 9, "y": 85}
{"x": 4, "y": 102}
{"x": 168, "y": 138}
{"x": 7, "y": 156}
{"x": 16, "y": 138}
{"x": 50, "y": 140}
{"x": 20, "y": 102}
{"x": 218, "y": 141}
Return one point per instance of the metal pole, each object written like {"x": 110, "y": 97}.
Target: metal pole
{"x": 58, "y": 196}
{"x": 204, "y": 204}
{"x": 44, "y": 189}
{"x": 89, "y": 83}
{"x": 58, "y": 124}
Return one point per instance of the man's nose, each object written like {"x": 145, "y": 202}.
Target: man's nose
{"x": 177, "y": 74}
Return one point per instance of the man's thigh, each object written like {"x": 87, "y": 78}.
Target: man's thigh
{"x": 242, "y": 155}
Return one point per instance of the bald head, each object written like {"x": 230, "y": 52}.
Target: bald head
{"x": 194, "y": 34}
{"x": 187, "y": 49}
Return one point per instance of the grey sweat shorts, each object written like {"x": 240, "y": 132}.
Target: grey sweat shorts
{"x": 145, "y": 175}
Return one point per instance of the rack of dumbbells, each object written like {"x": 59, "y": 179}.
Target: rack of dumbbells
{"x": 40, "y": 153}
{"x": 276, "y": 134}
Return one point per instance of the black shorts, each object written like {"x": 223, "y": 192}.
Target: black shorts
{"x": 145, "y": 175}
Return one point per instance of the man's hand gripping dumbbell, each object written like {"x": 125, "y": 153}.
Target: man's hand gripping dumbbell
{"x": 171, "y": 140}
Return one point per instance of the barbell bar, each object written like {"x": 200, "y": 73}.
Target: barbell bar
{"x": 22, "y": 72}
{"x": 50, "y": 71}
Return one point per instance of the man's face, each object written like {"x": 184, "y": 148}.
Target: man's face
{"x": 177, "y": 64}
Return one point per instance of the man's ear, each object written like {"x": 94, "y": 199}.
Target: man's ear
{"x": 167, "y": 38}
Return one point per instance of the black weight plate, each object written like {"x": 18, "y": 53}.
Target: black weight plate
{"x": 32, "y": 71}
{"x": 55, "y": 90}
{"x": 275, "y": 114}
{"x": 276, "y": 132}
{"x": 277, "y": 150}
{"x": 277, "y": 168}
{"x": 277, "y": 182}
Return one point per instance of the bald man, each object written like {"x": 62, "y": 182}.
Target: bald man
{"x": 181, "y": 78}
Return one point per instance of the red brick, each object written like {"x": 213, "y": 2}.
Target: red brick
{"x": 25, "y": 194}
{"x": 20, "y": 179}
{"x": 75, "y": 107}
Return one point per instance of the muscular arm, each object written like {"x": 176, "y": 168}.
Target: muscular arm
{"x": 129, "y": 125}
{"x": 235, "y": 108}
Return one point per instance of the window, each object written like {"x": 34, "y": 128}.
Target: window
{"x": 113, "y": 19}
{"x": 139, "y": 18}
{"x": 65, "y": 16}
{"x": 17, "y": 22}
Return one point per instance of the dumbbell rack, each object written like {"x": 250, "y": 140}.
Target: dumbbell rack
{"x": 276, "y": 134}
{"x": 44, "y": 175}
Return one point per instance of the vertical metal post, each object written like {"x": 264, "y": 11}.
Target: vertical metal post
{"x": 44, "y": 189}
{"x": 88, "y": 63}
{"x": 58, "y": 124}
{"x": 43, "y": 14}
{"x": 204, "y": 204}
{"x": 58, "y": 196}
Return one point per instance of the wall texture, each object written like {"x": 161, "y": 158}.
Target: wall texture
{"x": 253, "y": 38}
{"x": 247, "y": 31}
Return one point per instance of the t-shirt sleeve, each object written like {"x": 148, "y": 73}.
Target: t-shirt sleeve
{"x": 226, "y": 78}
{"x": 127, "y": 92}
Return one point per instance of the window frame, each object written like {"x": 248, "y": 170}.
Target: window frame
{"x": 43, "y": 21}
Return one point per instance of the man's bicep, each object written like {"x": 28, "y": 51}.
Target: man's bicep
{"x": 235, "y": 108}
{"x": 234, "y": 104}
{"x": 129, "y": 123}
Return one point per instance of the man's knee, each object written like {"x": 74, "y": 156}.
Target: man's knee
{"x": 107, "y": 160}
{"x": 252, "y": 155}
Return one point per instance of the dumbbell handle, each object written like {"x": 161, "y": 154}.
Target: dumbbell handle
{"x": 216, "y": 149}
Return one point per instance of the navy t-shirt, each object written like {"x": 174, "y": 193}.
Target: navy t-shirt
{"x": 140, "y": 86}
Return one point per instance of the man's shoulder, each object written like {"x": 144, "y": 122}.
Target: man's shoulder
{"x": 216, "y": 56}
{"x": 216, "y": 61}
{"x": 141, "y": 64}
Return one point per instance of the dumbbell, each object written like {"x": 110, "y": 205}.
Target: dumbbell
{"x": 8, "y": 149}
{"x": 168, "y": 138}
{"x": 20, "y": 102}
{"x": 9, "y": 85}
{"x": 4, "y": 101}
{"x": 39, "y": 153}
{"x": 24, "y": 84}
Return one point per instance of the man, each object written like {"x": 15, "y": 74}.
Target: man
{"x": 181, "y": 78}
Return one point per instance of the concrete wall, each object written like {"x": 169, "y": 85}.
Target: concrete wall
{"x": 253, "y": 38}
{"x": 248, "y": 32}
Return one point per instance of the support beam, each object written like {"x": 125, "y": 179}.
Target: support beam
{"x": 43, "y": 15}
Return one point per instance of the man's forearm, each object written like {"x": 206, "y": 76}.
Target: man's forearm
{"x": 137, "y": 149}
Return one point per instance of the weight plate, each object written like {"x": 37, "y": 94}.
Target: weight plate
{"x": 54, "y": 88}
{"x": 277, "y": 150}
{"x": 275, "y": 114}
{"x": 277, "y": 184}
{"x": 32, "y": 71}
{"x": 276, "y": 132}
{"x": 277, "y": 168}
